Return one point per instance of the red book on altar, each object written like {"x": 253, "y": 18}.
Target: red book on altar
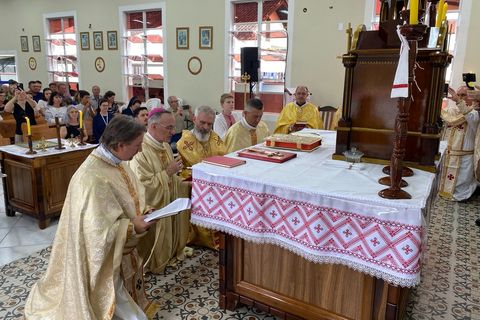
{"x": 266, "y": 155}
{"x": 224, "y": 161}
{"x": 293, "y": 142}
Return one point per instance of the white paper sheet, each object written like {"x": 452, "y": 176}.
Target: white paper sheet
{"x": 173, "y": 208}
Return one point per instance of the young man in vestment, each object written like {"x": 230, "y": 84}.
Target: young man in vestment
{"x": 194, "y": 146}
{"x": 250, "y": 130}
{"x": 299, "y": 114}
{"x": 461, "y": 120}
{"x": 157, "y": 169}
{"x": 94, "y": 270}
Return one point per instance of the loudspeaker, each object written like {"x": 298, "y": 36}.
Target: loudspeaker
{"x": 250, "y": 63}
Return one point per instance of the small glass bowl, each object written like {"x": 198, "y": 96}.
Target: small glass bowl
{"x": 353, "y": 156}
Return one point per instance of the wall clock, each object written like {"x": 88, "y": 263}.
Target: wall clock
{"x": 32, "y": 63}
{"x": 99, "y": 64}
{"x": 194, "y": 65}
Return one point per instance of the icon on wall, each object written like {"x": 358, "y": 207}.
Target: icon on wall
{"x": 84, "y": 41}
{"x": 205, "y": 37}
{"x": 98, "y": 40}
{"x": 32, "y": 63}
{"x": 112, "y": 43}
{"x": 24, "y": 43}
{"x": 182, "y": 38}
{"x": 37, "y": 47}
{"x": 99, "y": 64}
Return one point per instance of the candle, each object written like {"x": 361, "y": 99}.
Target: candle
{"x": 29, "y": 129}
{"x": 413, "y": 11}
{"x": 444, "y": 12}
{"x": 80, "y": 120}
{"x": 438, "y": 22}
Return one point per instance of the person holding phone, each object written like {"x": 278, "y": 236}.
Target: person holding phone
{"x": 21, "y": 105}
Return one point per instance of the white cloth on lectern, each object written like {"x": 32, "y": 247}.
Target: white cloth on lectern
{"x": 400, "y": 83}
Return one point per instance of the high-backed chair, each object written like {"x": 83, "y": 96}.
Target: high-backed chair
{"x": 326, "y": 114}
{"x": 39, "y": 131}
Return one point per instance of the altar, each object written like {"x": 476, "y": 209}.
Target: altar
{"x": 36, "y": 184}
{"x": 310, "y": 238}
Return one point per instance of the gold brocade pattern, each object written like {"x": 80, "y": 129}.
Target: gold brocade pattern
{"x": 238, "y": 137}
{"x": 291, "y": 114}
{"x": 92, "y": 247}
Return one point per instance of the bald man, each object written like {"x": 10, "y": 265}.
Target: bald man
{"x": 299, "y": 114}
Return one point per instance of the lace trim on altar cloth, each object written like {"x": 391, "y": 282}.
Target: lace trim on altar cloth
{"x": 374, "y": 272}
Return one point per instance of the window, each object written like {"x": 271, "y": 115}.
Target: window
{"x": 143, "y": 53}
{"x": 8, "y": 67}
{"x": 62, "y": 50}
{"x": 262, "y": 24}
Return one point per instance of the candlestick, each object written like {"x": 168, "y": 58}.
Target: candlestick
{"x": 413, "y": 11}
{"x": 29, "y": 129}
{"x": 30, "y": 145}
{"x": 245, "y": 79}
{"x": 82, "y": 136}
{"x": 80, "y": 120}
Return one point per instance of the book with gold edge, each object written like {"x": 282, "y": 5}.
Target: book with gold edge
{"x": 293, "y": 142}
{"x": 266, "y": 155}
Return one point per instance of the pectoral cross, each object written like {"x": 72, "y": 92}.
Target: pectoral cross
{"x": 245, "y": 78}
{"x": 59, "y": 139}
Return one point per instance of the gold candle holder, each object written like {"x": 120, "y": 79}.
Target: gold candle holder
{"x": 82, "y": 136}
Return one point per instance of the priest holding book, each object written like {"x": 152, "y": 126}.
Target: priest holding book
{"x": 250, "y": 130}
{"x": 298, "y": 115}
{"x": 157, "y": 169}
{"x": 194, "y": 146}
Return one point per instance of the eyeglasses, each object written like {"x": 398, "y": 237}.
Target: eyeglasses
{"x": 169, "y": 128}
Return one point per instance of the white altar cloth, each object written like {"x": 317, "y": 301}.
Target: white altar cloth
{"x": 21, "y": 151}
{"x": 319, "y": 209}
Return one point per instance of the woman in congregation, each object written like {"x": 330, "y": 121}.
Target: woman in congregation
{"x": 226, "y": 118}
{"x": 43, "y": 103}
{"x": 133, "y": 104}
{"x": 101, "y": 119}
{"x": 21, "y": 105}
{"x": 55, "y": 108}
{"x": 71, "y": 129}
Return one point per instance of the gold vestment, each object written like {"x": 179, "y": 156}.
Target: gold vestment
{"x": 238, "y": 137}
{"x": 291, "y": 114}
{"x": 165, "y": 241}
{"x": 94, "y": 246}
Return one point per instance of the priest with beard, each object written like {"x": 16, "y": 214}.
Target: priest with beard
{"x": 156, "y": 168}
{"x": 194, "y": 146}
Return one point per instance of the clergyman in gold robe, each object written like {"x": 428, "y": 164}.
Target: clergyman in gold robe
{"x": 94, "y": 270}
{"x": 194, "y": 146}
{"x": 299, "y": 114}
{"x": 157, "y": 169}
{"x": 250, "y": 130}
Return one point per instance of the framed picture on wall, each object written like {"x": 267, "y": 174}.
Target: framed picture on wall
{"x": 37, "y": 47}
{"x": 84, "y": 41}
{"x": 112, "y": 43}
{"x": 97, "y": 40}
{"x": 183, "y": 38}
{"x": 205, "y": 37}
{"x": 24, "y": 43}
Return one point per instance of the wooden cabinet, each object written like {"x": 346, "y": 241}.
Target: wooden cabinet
{"x": 284, "y": 284}
{"x": 37, "y": 186}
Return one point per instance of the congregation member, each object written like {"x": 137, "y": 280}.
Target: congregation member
{"x": 56, "y": 108}
{"x": 182, "y": 117}
{"x": 225, "y": 119}
{"x": 12, "y": 86}
{"x": 85, "y": 105}
{"x": 63, "y": 90}
{"x": 457, "y": 180}
{"x": 299, "y": 114}
{"x": 3, "y": 96}
{"x": 194, "y": 146}
{"x": 156, "y": 168}
{"x": 43, "y": 102}
{"x": 101, "y": 120}
{"x": 141, "y": 115}
{"x": 72, "y": 125}
{"x": 250, "y": 130}
{"x": 21, "y": 105}
{"x": 35, "y": 89}
{"x": 94, "y": 270}
{"x": 112, "y": 105}
{"x": 96, "y": 97}
{"x": 133, "y": 104}
{"x": 53, "y": 86}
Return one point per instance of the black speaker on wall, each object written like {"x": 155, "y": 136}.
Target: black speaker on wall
{"x": 250, "y": 63}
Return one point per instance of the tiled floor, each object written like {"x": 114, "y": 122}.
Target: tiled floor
{"x": 14, "y": 244}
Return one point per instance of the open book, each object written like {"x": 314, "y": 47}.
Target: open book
{"x": 173, "y": 208}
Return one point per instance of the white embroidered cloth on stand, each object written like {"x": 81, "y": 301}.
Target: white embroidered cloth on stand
{"x": 322, "y": 212}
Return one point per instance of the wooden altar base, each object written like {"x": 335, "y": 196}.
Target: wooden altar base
{"x": 283, "y": 284}
{"x": 37, "y": 186}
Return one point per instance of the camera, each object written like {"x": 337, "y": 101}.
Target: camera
{"x": 469, "y": 78}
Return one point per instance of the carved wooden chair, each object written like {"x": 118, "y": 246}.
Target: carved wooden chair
{"x": 327, "y": 114}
